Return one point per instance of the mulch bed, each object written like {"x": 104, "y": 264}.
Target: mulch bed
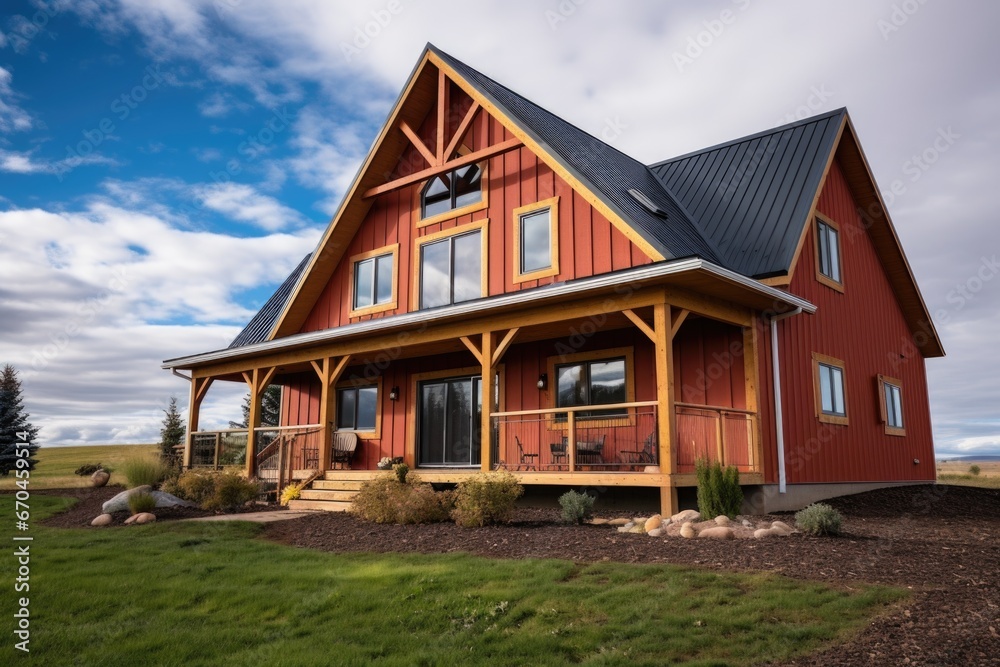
{"x": 89, "y": 501}
{"x": 939, "y": 541}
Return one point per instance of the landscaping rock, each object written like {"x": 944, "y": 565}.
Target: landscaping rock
{"x": 746, "y": 524}
{"x": 129, "y": 521}
{"x": 687, "y": 530}
{"x": 598, "y": 522}
{"x": 656, "y": 532}
{"x": 722, "y": 520}
{"x": 618, "y": 522}
{"x": 102, "y": 520}
{"x": 652, "y": 523}
{"x": 100, "y": 478}
{"x": 145, "y": 517}
{"x": 685, "y": 516}
{"x": 637, "y": 529}
{"x": 624, "y": 529}
{"x": 640, "y": 520}
{"x": 782, "y": 528}
{"x": 761, "y": 533}
{"x": 717, "y": 533}
{"x": 163, "y": 499}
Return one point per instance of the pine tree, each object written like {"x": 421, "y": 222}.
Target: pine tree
{"x": 15, "y": 429}
{"x": 270, "y": 408}
{"x": 172, "y": 433}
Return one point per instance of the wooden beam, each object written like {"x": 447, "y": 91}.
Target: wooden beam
{"x": 665, "y": 405}
{"x": 504, "y": 344}
{"x": 489, "y": 382}
{"x": 248, "y": 378}
{"x": 677, "y": 318}
{"x": 253, "y": 421}
{"x": 442, "y": 114}
{"x": 461, "y": 161}
{"x": 463, "y": 127}
{"x": 339, "y": 369}
{"x": 202, "y": 388}
{"x": 641, "y": 323}
{"x": 327, "y": 409}
{"x": 194, "y": 408}
{"x": 472, "y": 348}
{"x": 265, "y": 381}
{"x": 751, "y": 375}
{"x": 319, "y": 369}
{"x": 417, "y": 143}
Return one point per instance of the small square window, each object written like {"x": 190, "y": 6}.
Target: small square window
{"x": 357, "y": 408}
{"x": 830, "y": 389}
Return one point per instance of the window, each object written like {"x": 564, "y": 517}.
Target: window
{"x": 831, "y": 393}
{"x": 602, "y": 377}
{"x": 357, "y": 408}
{"x": 451, "y": 266}
{"x": 828, "y": 253}
{"x": 373, "y": 280}
{"x": 453, "y": 190}
{"x": 891, "y": 403}
{"x": 536, "y": 241}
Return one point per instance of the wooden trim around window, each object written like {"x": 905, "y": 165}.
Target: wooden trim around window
{"x": 358, "y": 384}
{"x": 483, "y": 226}
{"x": 825, "y": 280}
{"x": 880, "y": 382}
{"x": 818, "y": 396}
{"x": 484, "y": 201}
{"x": 392, "y": 304}
{"x": 596, "y": 355}
{"x": 553, "y": 205}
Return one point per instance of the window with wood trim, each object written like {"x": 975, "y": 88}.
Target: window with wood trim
{"x": 828, "y": 263}
{"x": 451, "y": 266}
{"x": 357, "y": 408}
{"x": 830, "y": 389}
{"x": 601, "y": 377}
{"x": 452, "y": 190}
{"x": 536, "y": 240}
{"x": 890, "y": 396}
{"x": 373, "y": 280}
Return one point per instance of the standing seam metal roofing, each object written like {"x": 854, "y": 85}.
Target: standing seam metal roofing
{"x": 751, "y": 196}
{"x": 259, "y": 328}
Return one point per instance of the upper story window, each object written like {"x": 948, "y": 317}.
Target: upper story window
{"x": 451, "y": 265}
{"x": 891, "y": 403}
{"x": 831, "y": 394}
{"x": 373, "y": 280}
{"x": 451, "y": 191}
{"x": 536, "y": 241}
{"x": 828, "y": 264}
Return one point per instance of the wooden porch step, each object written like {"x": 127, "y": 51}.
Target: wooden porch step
{"x": 350, "y": 475}
{"x": 323, "y": 494}
{"x": 325, "y": 505}
{"x": 337, "y": 485}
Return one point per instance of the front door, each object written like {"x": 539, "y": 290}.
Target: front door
{"x": 449, "y": 417}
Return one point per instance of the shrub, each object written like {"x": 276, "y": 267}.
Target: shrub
{"x": 194, "y": 485}
{"x": 141, "y": 502}
{"x": 719, "y": 489}
{"x": 232, "y": 492}
{"x": 401, "y": 469}
{"x": 486, "y": 498}
{"x": 386, "y": 500}
{"x": 88, "y": 469}
{"x": 576, "y": 507}
{"x": 290, "y": 493}
{"x": 143, "y": 470}
{"x": 974, "y": 469}
{"x": 818, "y": 519}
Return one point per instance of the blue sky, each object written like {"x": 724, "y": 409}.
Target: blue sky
{"x": 164, "y": 164}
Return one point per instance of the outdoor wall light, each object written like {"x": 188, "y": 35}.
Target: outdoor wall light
{"x": 394, "y": 394}
{"x": 543, "y": 381}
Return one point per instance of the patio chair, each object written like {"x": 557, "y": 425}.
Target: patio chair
{"x": 529, "y": 461}
{"x": 644, "y": 456}
{"x": 344, "y": 446}
{"x": 559, "y": 451}
{"x": 590, "y": 452}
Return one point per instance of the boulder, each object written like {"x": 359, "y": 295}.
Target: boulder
{"x": 618, "y": 522}
{"x": 163, "y": 499}
{"x": 624, "y": 529}
{"x": 129, "y": 521}
{"x": 656, "y": 532}
{"x": 686, "y": 516}
{"x": 746, "y": 524}
{"x": 598, "y": 522}
{"x": 652, "y": 523}
{"x": 761, "y": 533}
{"x": 717, "y": 533}
{"x": 640, "y": 520}
{"x": 687, "y": 530}
{"x": 722, "y": 520}
{"x": 100, "y": 478}
{"x": 102, "y": 520}
{"x": 636, "y": 529}
{"x": 782, "y": 528}
{"x": 145, "y": 517}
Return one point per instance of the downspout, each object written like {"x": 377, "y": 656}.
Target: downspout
{"x": 779, "y": 428}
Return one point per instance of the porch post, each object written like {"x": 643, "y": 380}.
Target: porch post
{"x": 752, "y": 387}
{"x": 198, "y": 388}
{"x": 665, "y": 406}
{"x": 489, "y": 380}
{"x": 325, "y": 419}
{"x": 253, "y": 421}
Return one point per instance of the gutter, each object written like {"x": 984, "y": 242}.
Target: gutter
{"x": 779, "y": 427}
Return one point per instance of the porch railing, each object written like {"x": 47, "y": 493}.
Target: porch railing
{"x": 287, "y": 454}
{"x": 621, "y": 437}
{"x": 219, "y": 449}
{"x": 726, "y": 435}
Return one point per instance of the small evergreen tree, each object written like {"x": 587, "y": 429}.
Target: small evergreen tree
{"x": 172, "y": 433}
{"x": 15, "y": 429}
{"x": 270, "y": 408}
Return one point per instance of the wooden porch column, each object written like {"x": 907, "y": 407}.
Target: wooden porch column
{"x": 664, "y": 344}
{"x": 198, "y": 388}
{"x": 489, "y": 379}
{"x": 752, "y": 387}
{"x": 329, "y": 373}
{"x": 258, "y": 380}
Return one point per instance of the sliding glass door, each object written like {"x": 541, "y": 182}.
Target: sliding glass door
{"x": 449, "y": 421}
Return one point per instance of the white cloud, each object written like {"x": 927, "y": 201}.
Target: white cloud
{"x": 329, "y": 153}
{"x": 243, "y": 203}
{"x": 16, "y": 162}
{"x": 12, "y": 116}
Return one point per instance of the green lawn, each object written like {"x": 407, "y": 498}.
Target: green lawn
{"x": 213, "y": 594}
{"x": 980, "y": 481}
{"x": 56, "y": 464}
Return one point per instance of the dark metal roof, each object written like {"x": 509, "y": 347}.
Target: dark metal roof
{"x": 259, "y": 328}
{"x": 751, "y": 196}
{"x": 608, "y": 172}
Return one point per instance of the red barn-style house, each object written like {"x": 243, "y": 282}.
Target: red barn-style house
{"x": 500, "y": 289}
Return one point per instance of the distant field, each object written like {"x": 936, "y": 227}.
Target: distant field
{"x": 56, "y": 464}
{"x": 957, "y": 472}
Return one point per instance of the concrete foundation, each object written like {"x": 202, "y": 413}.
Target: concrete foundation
{"x": 765, "y": 499}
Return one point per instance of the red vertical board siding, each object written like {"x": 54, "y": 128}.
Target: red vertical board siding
{"x": 864, "y": 327}
{"x": 708, "y": 364}
{"x": 588, "y": 243}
